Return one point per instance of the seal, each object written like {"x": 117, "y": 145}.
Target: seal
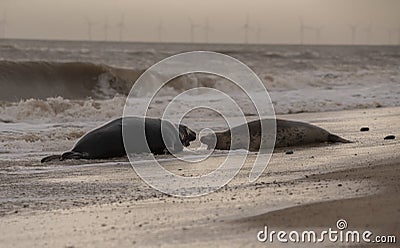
{"x": 288, "y": 133}
{"x": 107, "y": 141}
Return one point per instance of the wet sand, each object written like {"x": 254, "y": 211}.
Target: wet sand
{"x": 104, "y": 204}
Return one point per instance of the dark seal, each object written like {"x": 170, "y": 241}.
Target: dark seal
{"x": 288, "y": 133}
{"x": 107, "y": 141}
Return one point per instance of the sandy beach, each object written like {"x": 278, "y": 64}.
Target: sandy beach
{"x": 105, "y": 204}
{"x": 77, "y": 78}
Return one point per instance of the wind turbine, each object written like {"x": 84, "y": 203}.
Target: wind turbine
{"x": 398, "y": 35}
{"x": 106, "y": 28}
{"x": 193, "y": 27}
{"x": 353, "y": 29}
{"x": 389, "y": 34}
{"x": 246, "y": 28}
{"x": 3, "y": 24}
{"x": 392, "y": 31}
{"x": 318, "y": 31}
{"x": 160, "y": 29}
{"x": 90, "y": 25}
{"x": 207, "y": 30}
{"x": 121, "y": 27}
{"x": 368, "y": 31}
{"x": 303, "y": 28}
{"x": 259, "y": 31}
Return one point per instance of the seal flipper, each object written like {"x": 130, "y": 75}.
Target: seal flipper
{"x": 334, "y": 138}
{"x": 50, "y": 158}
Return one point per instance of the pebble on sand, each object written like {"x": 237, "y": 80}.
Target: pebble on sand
{"x": 364, "y": 129}
{"x": 390, "y": 137}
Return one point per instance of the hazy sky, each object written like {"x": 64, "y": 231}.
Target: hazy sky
{"x": 270, "y": 21}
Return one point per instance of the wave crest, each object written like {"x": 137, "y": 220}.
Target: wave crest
{"x": 72, "y": 80}
{"x": 62, "y": 110}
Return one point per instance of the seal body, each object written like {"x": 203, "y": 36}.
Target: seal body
{"x": 288, "y": 133}
{"x": 107, "y": 141}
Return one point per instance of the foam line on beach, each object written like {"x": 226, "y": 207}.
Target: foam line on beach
{"x": 37, "y": 170}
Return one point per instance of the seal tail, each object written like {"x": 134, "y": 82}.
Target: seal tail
{"x": 64, "y": 156}
{"x": 50, "y": 158}
{"x": 72, "y": 155}
{"x": 334, "y": 138}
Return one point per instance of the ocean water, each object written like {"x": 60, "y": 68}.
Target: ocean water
{"x": 52, "y": 92}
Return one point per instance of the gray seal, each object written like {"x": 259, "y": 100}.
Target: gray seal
{"x": 288, "y": 133}
{"x": 107, "y": 141}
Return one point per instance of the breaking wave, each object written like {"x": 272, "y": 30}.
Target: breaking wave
{"x": 72, "y": 80}
{"x": 83, "y": 80}
{"x": 59, "y": 109}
